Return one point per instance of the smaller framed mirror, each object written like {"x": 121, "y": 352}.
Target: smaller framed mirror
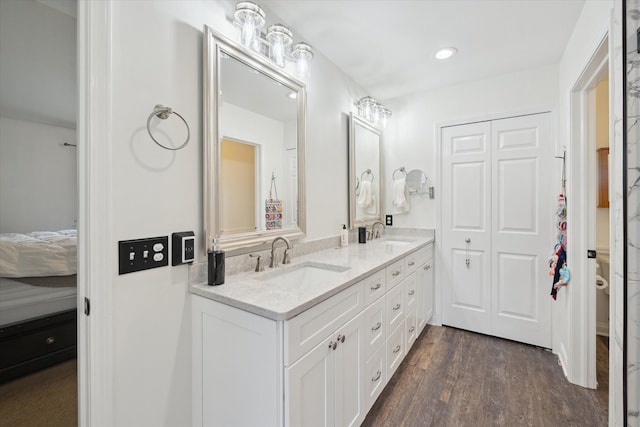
{"x": 417, "y": 182}
{"x": 366, "y": 189}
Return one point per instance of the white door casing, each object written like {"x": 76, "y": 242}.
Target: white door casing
{"x": 497, "y": 213}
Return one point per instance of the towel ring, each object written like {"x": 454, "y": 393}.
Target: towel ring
{"x": 367, "y": 172}
{"x": 162, "y": 112}
{"x": 401, "y": 170}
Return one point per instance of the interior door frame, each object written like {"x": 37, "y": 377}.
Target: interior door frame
{"x": 581, "y": 358}
{"x": 438, "y": 291}
{"x": 96, "y": 253}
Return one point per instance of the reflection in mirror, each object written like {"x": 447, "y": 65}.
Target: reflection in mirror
{"x": 365, "y": 170}
{"x": 417, "y": 182}
{"x": 254, "y": 147}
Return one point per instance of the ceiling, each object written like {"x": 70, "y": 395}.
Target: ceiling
{"x": 387, "y": 46}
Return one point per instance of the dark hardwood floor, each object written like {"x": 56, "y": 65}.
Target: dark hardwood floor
{"x": 453, "y": 377}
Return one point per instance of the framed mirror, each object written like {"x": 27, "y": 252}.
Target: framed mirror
{"x": 254, "y": 144}
{"x": 366, "y": 189}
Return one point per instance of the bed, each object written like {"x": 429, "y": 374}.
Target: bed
{"x": 38, "y": 298}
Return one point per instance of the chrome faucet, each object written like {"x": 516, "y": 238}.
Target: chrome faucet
{"x": 285, "y": 257}
{"x": 376, "y": 233}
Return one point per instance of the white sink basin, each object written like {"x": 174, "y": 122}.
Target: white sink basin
{"x": 305, "y": 274}
{"x": 398, "y": 242}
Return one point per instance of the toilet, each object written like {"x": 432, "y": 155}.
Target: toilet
{"x": 602, "y": 294}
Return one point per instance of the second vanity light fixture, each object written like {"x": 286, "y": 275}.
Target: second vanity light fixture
{"x": 373, "y": 111}
{"x": 276, "y": 44}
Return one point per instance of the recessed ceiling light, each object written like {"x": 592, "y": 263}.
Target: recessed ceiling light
{"x": 446, "y": 53}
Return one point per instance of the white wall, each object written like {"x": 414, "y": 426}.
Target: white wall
{"x": 38, "y": 48}
{"x": 410, "y": 137}
{"x": 38, "y": 179}
{"x": 157, "y": 58}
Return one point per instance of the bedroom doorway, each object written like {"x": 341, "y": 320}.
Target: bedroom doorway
{"x": 38, "y": 212}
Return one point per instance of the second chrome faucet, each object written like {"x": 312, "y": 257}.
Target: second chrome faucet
{"x": 285, "y": 258}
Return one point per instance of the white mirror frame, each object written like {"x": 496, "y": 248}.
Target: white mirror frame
{"x": 354, "y": 121}
{"x": 214, "y": 44}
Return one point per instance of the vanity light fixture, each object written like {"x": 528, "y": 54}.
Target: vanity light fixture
{"x": 276, "y": 44}
{"x": 373, "y": 111}
{"x": 446, "y": 53}
{"x": 302, "y": 55}
{"x": 249, "y": 18}
{"x": 279, "y": 38}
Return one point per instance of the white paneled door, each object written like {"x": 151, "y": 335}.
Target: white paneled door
{"x": 497, "y": 229}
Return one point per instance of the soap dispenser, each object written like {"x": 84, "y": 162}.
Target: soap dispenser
{"x": 215, "y": 259}
{"x": 344, "y": 236}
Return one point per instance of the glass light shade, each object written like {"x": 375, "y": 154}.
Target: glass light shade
{"x": 366, "y": 108}
{"x": 384, "y": 114}
{"x": 249, "y": 18}
{"x": 279, "y": 38}
{"x": 302, "y": 54}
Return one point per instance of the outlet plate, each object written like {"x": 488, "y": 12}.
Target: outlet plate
{"x": 388, "y": 219}
{"x": 183, "y": 248}
{"x": 143, "y": 254}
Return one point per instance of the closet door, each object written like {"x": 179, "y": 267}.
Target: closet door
{"x": 466, "y": 223}
{"x": 497, "y": 227}
{"x": 522, "y": 211}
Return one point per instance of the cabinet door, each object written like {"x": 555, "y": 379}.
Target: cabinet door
{"x": 310, "y": 388}
{"x": 374, "y": 377}
{"x": 350, "y": 360}
{"x": 424, "y": 286}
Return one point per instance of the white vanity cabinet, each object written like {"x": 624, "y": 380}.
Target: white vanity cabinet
{"x": 325, "y": 367}
{"x": 325, "y": 386}
{"x": 424, "y": 277}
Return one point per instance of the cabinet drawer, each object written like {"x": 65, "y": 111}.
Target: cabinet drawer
{"x": 395, "y": 349}
{"x": 411, "y": 289}
{"x": 375, "y": 378}
{"x": 374, "y": 327}
{"x": 311, "y": 327}
{"x": 38, "y": 343}
{"x": 412, "y": 327}
{"x": 418, "y": 258}
{"x": 374, "y": 287}
{"x": 395, "y": 306}
{"x": 411, "y": 262}
{"x": 395, "y": 273}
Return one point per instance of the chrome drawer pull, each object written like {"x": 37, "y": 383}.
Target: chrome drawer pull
{"x": 396, "y": 307}
{"x": 411, "y": 263}
{"x": 375, "y": 328}
{"x": 50, "y": 340}
{"x": 411, "y": 329}
{"x": 377, "y": 377}
{"x": 341, "y": 338}
{"x": 376, "y": 286}
{"x": 397, "y": 349}
{"x": 412, "y": 292}
{"x": 427, "y": 267}
{"x": 395, "y": 273}
{"x": 333, "y": 345}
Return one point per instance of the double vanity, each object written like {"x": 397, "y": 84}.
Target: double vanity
{"x": 313, "y": 342}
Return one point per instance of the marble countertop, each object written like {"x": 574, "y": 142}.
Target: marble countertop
{"x": 267, "y": 298}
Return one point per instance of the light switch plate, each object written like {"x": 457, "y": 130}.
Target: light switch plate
{"x": 143, "y": 254}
